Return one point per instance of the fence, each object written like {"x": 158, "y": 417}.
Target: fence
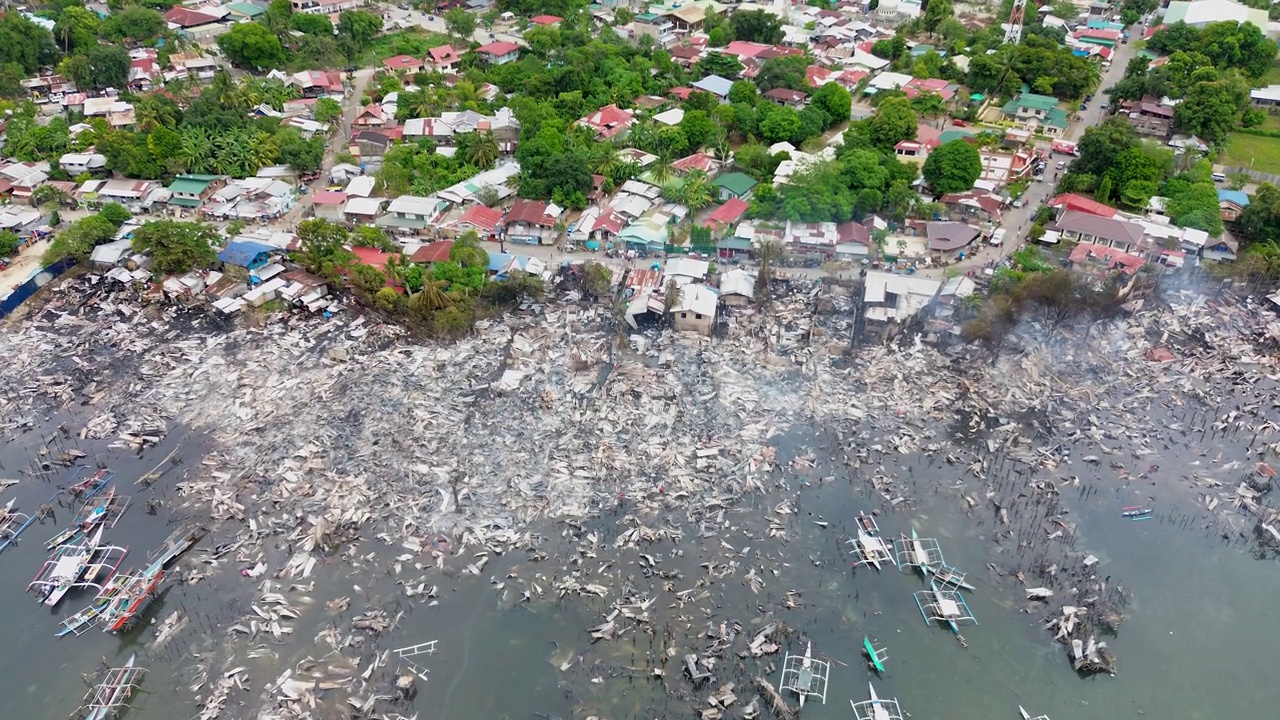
{"x": 34, "y": 283}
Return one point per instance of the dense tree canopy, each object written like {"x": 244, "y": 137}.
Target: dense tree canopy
{"x": 757, "y": 26}
{"x": 252, "y": 45}
{"x": 25, "y": 43}
{"x": 953, "y": 167}
{"x": 176, "y": 247}
{"x": 1212, "y": 109}
{"x": 1227, "y": 44}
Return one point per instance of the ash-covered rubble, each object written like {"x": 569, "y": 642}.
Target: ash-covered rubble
{"x": 344, "y": 438}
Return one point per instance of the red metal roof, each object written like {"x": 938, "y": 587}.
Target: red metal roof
{"x": 498, "y": 49}
{"x": 371, "y": 256}
{"x": 185, "y": 17}
{"x": 727, "y": 214}
{"x": 329, "y": 197}
{"x": 435, "y": 252}
{"x": 697, "y": 161}
{"x": 785, "y": 95}
{"x": 1112, "y": 257}
{"x": 744, "y": 49}
{"x": 608, "y": 121}
{"x": 1079, "y": 202}
{"x": 529, "y": 212}
{"x": 443, "y": 54}
{"x": 402, "y": 62}
{"x": 545, "y": 19}
{"x": 481, "y": 217}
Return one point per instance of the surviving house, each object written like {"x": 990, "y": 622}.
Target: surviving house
{"x": 1037, "y": 113}
{"x": 950, "y": 236}
{"x": 890, "y": 298}
{"x": 532, "y": 222}
{"x": 734, "y": 185}
{"x": 659, "y": 28}
{"x": 716, "y": 85}
{"x": 248, "y": 255}
{"x": 411, "y": 213}
{"x": 1080, "y": 203}
{"x": 190, "y": 191}
{"x": 1096, "y": 230}
{"x": 1231, "y": 203}
{"x": 608, "y": 122}
{"x": 1108, "y": 263}
{"x": 787, "y": 97}
{"x": 403, "y": 63}
{"x": 362, "y": 210}
{"x": 80, "y": 163}
{"x": 695, "y": 309}
{"x": 443, "y": 59}
{"x": 499, "y": 53}
{"x": 327, "y": 204}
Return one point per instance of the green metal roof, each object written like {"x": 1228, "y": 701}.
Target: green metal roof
{"x": 1033, "y": 101}
{"x": 736, "y": 182}
{"x": 246, "y": 8}
{"x": 191, "y": 184}
{"x": 1057, "y": 118}
{"x": 184, "y": 202}
{"x": 734, "y": 243}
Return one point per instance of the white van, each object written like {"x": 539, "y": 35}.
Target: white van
{"x": 997, "y": 238}
{"x": 1218, "y": 177}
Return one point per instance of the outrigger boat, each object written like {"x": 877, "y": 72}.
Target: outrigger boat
{"x": 1135, "y": 512}
{"x": 135, "y": 593}
{"x": 876, "y": 709}
{"x": 948, "y": 576}
{"x": 805, "y": 676}
{"x": 65, "y": 569}
{"x": 109, "y": 697}
{"x": 944, "y": 606}
{"x": 876, "y": 656}
{"x": 105, "y": 513}
{"x": 869, "y": 546}
{"x": 92, "y": 485}
{"x": 1026, "y": 716}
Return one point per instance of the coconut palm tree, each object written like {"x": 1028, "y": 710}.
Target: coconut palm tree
{"x": 661, "y": 172}
{"x": 431, "y": 298}
{"x": 697, "y": 192}
{"x": 224, "y": 89}
{"x": 483, "y": 150}
{"x": 197, "y": 149}
{"x": 605, "y": 159}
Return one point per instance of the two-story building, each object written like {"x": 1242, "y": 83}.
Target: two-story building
{"x": 659, "y": 28}
{"x": 499, "y": 53}
{"x": 1037, "y": 113}
{"x": 531, "y": 222}
{"x": 190, "y": 191}
{"x": 411, "y": 213}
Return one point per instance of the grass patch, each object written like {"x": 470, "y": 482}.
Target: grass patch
{"x": 413, "y": 41}
{"x": 1271, "y": 78}
{"x": 1271, "y": 123}
{"x": 1253, "y": 153}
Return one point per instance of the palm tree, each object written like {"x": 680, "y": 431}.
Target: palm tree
{"x": 224, "y": 89}
{"x": 661, "y": 172}
{"x": 431, "y": 298}
{"x": 605, "y": 159}
{"x": 262, "y": 150}
{"x": 466, "y": 94}
{"x": 697, "y": 192}
{"x": 197, "y": 148}
{"x": 483, "y": 150}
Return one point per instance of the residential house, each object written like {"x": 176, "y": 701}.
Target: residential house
{"x": 697, "y": 162}
{"x": 190, "y": 191}
{"x": 981, "y": 206}
{"x": 144, "y": 70}
{"x": 695, "y": 309}
{"x": 1096, "y": 230}
{"x": 203, "y": 24}
{"x": 1002, "y": 168}
{"x": 922, "y": 86}
{"x": 499, "y": 53}
{"x": 1108, "y": 263}
{"x": 85, "y": 162}
{"x": 483, "y": 220}
{"x": 738, "y": 287}
{"x": 94, "y": 193}
{"x": 811, "y": 240}
{"x": 443, "y": 59}
{"x": 1148, "y": 117}
{"x": 686, "y": 56}
{"x": 493, "y": 180}
{"x": 327, "y": 204}
{"x": 532, "y": 222}
{"x": 444, "y": 129}
{"x": 598, "y": 225}
{"x": 21, "y": 221}
{"x": 787, "y": 97}
{"x": 649, "y": 232}
{"x": 608, "y": 122}
{"x": 1231, "y": 203}
{"x": 190, "y": 66}
{"x": 684, "y": 270}
{"x": 247, "y": 255}
{"x": 1267, "y": 98}
{"x": 734, "y": 185}
{"x": 318, "y": 83}
{"x": 545, "y": 20}
{"x": 686, "y": 19}
{"x": 891, "y": 298}
{"x": 1223, "y": 249}
{"x": 244, "y": 11}
{"x": 403, "y": 64}
{"x": 950, "y": 236}
{"x": 744, "y": 50}
{"x": 1080, "y": 203}
{"x": 326, "y": 7}
{"x": 432, "y": 253}
{"x": 361, "y": 186}
{"x": 726, "y": 216}
{"x": 659, "y": 28}
{"x": 927, "y": 139}
{"x": 362, "y": 210}
{"x": 715, "y": 85}
{"x": 853, "y": 242}
{"x": 670, "y": 118}
{"x": 370, "y": 116}
{"x": 1037, "y": 113}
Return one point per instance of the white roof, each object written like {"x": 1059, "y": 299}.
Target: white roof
{"x": 1202, "y": 12}
{"x": 86, "y": 159}
{"x": 680, "y": 268}
{"x": 890, "y": 81}
{"x": 110, "y": 253}
{"x": 913, "y": 293}
{"x": 361, "y": 186}
{"x": 413, "y": 205}
{"x": 738, "y": 282}
{"x": 364, "y": 206}
{"x": 696, "y": 298}
{"x": 670, "y": 117}
{"x": 868, "y": 61}
{"x": 1270, "y": 92}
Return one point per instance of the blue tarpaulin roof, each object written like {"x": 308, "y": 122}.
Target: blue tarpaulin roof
{"x": 242, "y": 253}
{"x": 498, "y": 262}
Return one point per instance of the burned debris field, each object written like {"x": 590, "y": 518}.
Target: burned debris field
{"x": 554, "y": 517}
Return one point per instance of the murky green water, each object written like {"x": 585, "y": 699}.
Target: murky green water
{"x": 1196, "y": 642}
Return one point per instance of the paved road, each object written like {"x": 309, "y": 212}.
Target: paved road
{"x": 397, "y": 19}
{"x": 339, "y": 142}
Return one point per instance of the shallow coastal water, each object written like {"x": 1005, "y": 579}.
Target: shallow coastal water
{"x": 1196, "y": 641}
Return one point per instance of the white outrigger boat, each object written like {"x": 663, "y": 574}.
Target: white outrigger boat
{"x": 805, "y": 676}
{"x": 1027, "y": 716}
{"x": 68, "y": 566}
{"x": 869, "y": 547}
{"x": 109, "y": 698}
{"x": 875, "y": 708}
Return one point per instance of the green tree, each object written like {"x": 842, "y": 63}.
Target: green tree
{"x": 936, "y": 13}
{"x": 355, "y": 29}
{"x": 467, "y": 253}
{"x": 743, "y": 91}
{"x": 176, "y": 247}
{"x": 8, "y": 243}
{"x": 251, "y": 45}
{"x": 134, "y": 23}
{"x": 835, "y": 101}
{"x": 25, "y": 43}
{"x": 311, "y": 24}
{"x": 115, "y": 213}
{"x": 460, "y": 23}
{"x": 304, "y": 156}
{"x": 893, "y": 122}
{"x": 1103, "y": 193}
{"x": 786, "y": 71}
{"x": 953, "y": 167}
{"x": 698, "y": 128}
{"x": 48, "y": 197}
{"x": 108, "y": 66}
{"x": 1211, "y": 109}
{"x": 78, "y": 240}
{"x": 780, "y": 124}
{"x": 722, "y": 64}
{"x": 327, "y": 110}
{"x": 76, "y": 28}
{"x": 323, "y": 249}
{"x": 757, "y": 26}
